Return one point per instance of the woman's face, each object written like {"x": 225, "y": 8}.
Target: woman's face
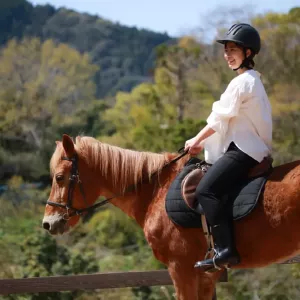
{"x": 233, "y": 54}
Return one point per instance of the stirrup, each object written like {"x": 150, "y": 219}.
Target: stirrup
{"x": 208, "y": 264}
{"x": 210, "y": 267}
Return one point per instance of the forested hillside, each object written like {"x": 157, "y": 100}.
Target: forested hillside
{"x": 65, "y": 72}
{"x": 125, "y": 55}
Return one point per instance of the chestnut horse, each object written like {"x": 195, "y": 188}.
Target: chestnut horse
{"x": 270, "y": 234}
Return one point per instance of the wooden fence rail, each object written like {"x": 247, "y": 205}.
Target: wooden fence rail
{"x": 94, "y": 281}
{"x": 86, "y": 282}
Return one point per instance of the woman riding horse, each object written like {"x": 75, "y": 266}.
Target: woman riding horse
{"x": 238, "y": 135}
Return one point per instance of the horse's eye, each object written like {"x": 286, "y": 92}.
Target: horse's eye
{"x": 59, "y": 178}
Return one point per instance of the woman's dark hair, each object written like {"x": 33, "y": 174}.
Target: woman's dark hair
{"x": 248, "y": 62}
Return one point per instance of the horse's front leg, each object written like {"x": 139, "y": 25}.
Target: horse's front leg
{"x": 191, "y": 284}
{"x": 207, "y": 285}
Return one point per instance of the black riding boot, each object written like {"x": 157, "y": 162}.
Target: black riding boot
{"x": 226, "y": 254}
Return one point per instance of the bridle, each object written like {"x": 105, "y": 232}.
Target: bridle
{"x": 74, "y": 177}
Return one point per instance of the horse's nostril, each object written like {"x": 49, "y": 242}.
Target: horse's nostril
{"x": 46, "y": 226}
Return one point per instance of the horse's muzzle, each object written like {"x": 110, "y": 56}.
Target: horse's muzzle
{"x": 55, "y": 224}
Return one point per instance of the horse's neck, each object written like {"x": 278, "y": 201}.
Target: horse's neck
{"x": 135, "y": 199}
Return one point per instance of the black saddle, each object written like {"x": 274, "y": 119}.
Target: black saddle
{"x": 244, "y": 197}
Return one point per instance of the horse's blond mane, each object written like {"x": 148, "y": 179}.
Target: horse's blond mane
{"x": 125, "y": 166}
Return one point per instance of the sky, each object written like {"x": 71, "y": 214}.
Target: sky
{"x": 175, "y": 17}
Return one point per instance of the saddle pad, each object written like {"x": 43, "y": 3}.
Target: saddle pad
{"x": 244, "y": 197}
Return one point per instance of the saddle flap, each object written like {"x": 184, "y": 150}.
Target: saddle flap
{"x": 189, "y": 185}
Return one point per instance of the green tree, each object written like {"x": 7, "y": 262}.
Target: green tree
{"x": 136, "y": 114}
{"x": 174, "y": 65}
{"x": 279, "y": 59}
{"x": 279, "y": 63}
{"x": 43, "y": 87}
{"x": 154, "y": 116}
{"x": 42, "y": 84}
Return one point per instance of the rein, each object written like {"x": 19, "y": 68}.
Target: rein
{"x": 74, "y": 176}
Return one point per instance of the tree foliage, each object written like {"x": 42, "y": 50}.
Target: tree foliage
{"x": 43, "y": 86}
{"x": 54, "y": 65}
{"x": 125, "y": 55}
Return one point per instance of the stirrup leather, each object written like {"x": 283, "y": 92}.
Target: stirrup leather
{"x": 210, "y": 252}
{"x": 210, "y": 264}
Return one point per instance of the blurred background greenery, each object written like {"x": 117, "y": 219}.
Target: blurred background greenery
{"x": 67, "y": 72}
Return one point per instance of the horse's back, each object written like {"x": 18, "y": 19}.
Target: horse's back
{"x": 286, "y": 172}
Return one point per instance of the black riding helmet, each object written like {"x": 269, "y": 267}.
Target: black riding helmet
{"x": 246, "y": 36}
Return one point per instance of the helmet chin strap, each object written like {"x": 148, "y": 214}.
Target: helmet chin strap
{"x": 244, "y": 63}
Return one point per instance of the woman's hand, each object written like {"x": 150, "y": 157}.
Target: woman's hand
{"x": 193, "y": 146}
{"x": 196, "y": 144}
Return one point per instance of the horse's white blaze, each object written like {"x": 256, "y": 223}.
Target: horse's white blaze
{"x": 52, "y": 219}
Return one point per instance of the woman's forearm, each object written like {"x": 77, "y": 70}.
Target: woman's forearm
{"x": 204, "y": 133}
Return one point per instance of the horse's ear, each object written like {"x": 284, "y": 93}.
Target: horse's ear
{"x": 68, "y": 145}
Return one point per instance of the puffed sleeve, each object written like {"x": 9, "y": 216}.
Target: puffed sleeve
{"x": 227, "y": 107}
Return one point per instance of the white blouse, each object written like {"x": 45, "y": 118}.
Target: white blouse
{"x": 242, "y": 115}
